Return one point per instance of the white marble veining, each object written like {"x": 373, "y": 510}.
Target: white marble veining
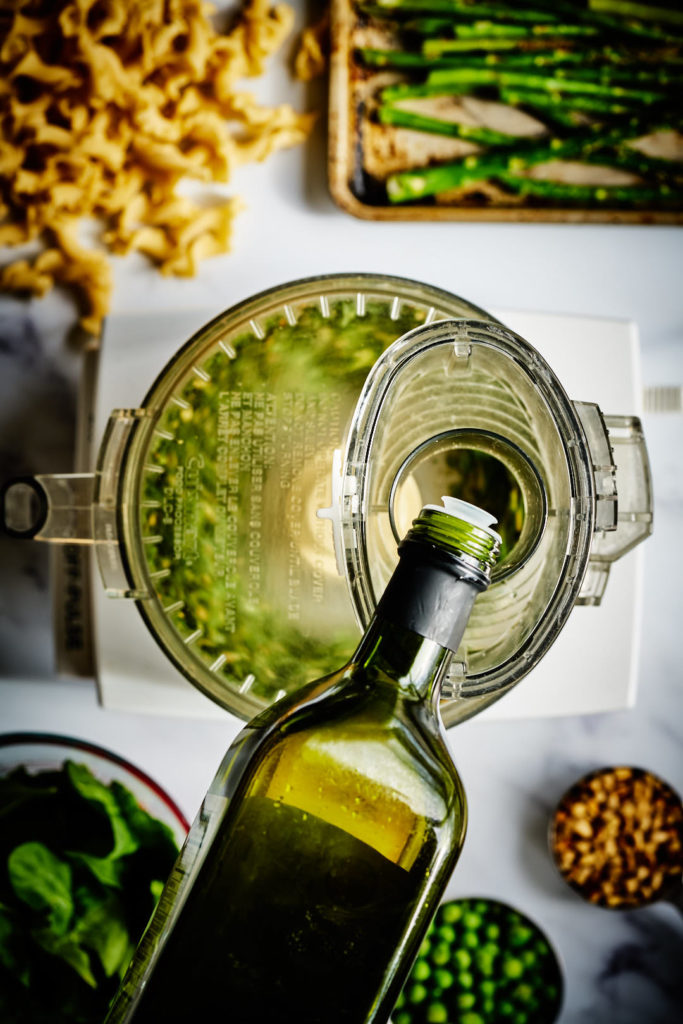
{"x": 620, "y": 968}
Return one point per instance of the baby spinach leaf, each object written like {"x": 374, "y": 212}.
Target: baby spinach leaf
{"x": 11, "y": 947}
{"x": 68, "y": 949}
{"x": 106, "y": 870}
{"x": 148, "y": 831}
{"x": 17, "y": 794}
{"x": 80, "y": 865}
{"x": 91, "y": 789}
{"x": 102, "y": 928}
{"x": 43, "y": 881}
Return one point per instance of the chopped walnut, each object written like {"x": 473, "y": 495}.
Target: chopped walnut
{"x": 617, "y": 837}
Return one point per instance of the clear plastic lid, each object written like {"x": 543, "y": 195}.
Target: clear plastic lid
{"x": 467, "y": 408}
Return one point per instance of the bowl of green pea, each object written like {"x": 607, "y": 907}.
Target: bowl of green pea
{"x": 482, "y": 962}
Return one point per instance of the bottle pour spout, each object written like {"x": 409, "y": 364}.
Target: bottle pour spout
{"x": 470, "y": 513}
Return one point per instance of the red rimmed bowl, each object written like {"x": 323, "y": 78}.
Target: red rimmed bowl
{"x": 81, "y": 867}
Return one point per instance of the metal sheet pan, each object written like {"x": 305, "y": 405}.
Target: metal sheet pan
{"x": 361, "y": 194}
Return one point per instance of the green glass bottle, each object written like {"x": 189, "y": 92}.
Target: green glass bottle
{"x": 321, "y": 851}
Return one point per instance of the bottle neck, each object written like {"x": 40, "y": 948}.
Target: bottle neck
{"x": 414, "y": 664}
{"x": 431, "y": 592}
{"x": 420, "y": 620}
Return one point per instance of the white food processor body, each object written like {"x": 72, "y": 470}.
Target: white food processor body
{"x": 253, "y": 503}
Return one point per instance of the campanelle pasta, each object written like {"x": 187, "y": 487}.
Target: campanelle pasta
{"x": 106, "y": 105}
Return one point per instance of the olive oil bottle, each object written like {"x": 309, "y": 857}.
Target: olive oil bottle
{"x": 322, "y": 848}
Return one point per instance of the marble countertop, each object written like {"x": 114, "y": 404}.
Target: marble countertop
{"x": 620, "y": 968}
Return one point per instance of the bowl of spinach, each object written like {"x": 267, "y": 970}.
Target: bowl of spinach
{"x": 86, "y": 843}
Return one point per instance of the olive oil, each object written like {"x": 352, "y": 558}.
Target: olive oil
{"x": 288, "y": 936}
{"x": 319, "y": 856}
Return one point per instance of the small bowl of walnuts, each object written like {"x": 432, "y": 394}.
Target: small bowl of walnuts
{"x": 616, "y": 838}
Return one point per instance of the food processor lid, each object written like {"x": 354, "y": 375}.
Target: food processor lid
{"x": 469, "y": 408}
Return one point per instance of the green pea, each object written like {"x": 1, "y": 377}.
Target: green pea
{"x": 462, "y": 958}
{"x": 513, "y": 968}
{"x": 402, "y": 1018}
{"x": 441, "y": 954}
{"x": 485, "y": 963}
{"x": 484, "y": 966}
{"x": 444, "y": 979}
{"x": 421, "y": 971}
{"x": 417, "y": 994}
{"x": 452, "y": 912}
{"x": 520, "y": 935}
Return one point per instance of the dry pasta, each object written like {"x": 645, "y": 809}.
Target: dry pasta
{"x": 106, "y": 105}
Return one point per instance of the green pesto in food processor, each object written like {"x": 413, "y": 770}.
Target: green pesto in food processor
{"x": 236, "y": 469}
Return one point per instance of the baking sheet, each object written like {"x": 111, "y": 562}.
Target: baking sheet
{"x": 354, "y": 140}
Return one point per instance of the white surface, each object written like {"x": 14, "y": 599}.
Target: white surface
{"x": 592, "y": 665}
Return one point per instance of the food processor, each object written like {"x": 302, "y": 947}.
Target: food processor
{"x": 251, "y": 506}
